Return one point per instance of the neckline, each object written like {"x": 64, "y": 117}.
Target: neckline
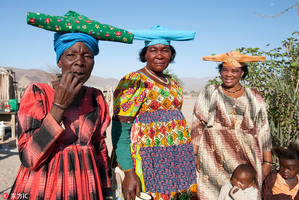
{"x": 169, "y": 79}
{"x": 157, "y": 77}
{"x": 222, "y": 90}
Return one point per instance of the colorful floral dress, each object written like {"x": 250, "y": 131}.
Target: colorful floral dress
{"x": 160, "y": 142}
{"x": 61, "y": 161}
{"x": 229, "y": 132}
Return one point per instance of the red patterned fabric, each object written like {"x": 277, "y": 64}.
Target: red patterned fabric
{"x": 59, "y": 163}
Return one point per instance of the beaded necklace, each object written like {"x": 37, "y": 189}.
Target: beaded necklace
{"x": 292, "y": 179}
{"x": 233, "y": 91}
{"x": 165, "y": 82}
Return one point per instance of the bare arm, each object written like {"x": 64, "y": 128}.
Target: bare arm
{"x": 266, "y": 166}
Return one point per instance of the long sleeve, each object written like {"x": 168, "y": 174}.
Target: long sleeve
{"x": 264, "y": 129}
{"x": 102, "y": 157}
{"x": 128, "y": 98}
{"x": 196, "y": 129}
{"x": 39, "y": 130}
{"x": 223, "y": 195}
{"x": 201, "y": 113}
{"x": 99, "y": 138}
{"x": 252, "y": 195}
{"x": 121, "y": 144}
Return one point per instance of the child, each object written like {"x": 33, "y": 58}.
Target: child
{"x": 240, "y": 187}
{"x": 283, "y": 184}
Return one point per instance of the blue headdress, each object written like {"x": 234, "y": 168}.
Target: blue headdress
{"x": 161, "y": 35}
{"x": 63, "y": 41}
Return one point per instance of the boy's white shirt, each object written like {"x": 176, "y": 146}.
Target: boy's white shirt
{"x": 250, "y": 193}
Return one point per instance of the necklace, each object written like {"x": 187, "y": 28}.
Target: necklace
{"x": 292, "y": 179}
{"x": 165, "y": 82}
{"x": 233, "y": 91}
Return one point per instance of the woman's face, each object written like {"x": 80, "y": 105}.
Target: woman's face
{"x": 231, "y": 75}
{"x": 158, "y": 57}
{"x": 79, "y": 59}
{"x": 288, "y": 169}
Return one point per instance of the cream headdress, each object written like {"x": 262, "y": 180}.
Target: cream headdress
{"x": 234, "y": 59}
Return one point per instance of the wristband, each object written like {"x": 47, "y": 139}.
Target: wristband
{"x": 59, "y": 106}
{"x": 128, "y": 170}
{"x": 268, "y": 163}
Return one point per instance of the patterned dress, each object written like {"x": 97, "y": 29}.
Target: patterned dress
{"x": 160, "y": 142}
{"x": 66, "y": 161}
{"x": 229, "y": 132}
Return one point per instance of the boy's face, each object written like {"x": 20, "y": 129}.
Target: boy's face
{"x": 242, "y": 179}
{"x": 288, "y": 168}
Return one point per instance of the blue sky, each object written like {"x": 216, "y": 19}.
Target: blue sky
{"x": 221, "y": 26}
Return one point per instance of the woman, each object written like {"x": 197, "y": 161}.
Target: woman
{"x": 230, "y": 127}
{"x": 63, "y": 124}
{"x": 149, "y": 133}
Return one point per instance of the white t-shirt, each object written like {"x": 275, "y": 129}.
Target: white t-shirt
{"x": 250, "y": 193}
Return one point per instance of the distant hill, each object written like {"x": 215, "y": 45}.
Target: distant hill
{"x": 195, "y": 84}
{"x": 25, "y": 77}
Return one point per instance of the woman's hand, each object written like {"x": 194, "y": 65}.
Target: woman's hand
{"x": 197, "y": 163}
{"x": 67, "y": 89}
{"x": 131, "y": 185}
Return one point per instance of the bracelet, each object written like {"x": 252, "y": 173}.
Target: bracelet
{"x": 128, "y": 170}
{"x": 59, "y": 106}
{"x": 196, "y": 154}
{"x": 268, "y": 163}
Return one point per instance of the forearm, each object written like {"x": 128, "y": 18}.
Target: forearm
{"x": 267, "y": 157}
{"x": 195, "y": 148}
{"x": 267, "y": 163}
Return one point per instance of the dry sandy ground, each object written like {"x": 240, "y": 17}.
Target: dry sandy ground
{"x": 9, "y": 159}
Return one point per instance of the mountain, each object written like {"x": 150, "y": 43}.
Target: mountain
{"x": 25, "y": 77}
{"x": 194, "y": 84}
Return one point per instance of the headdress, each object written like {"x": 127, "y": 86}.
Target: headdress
{"x": 73, "y": 27}
{"x": 161, "y": 35}
{"x": 234, "y": 59}
{"x": 63, "y": 41}
{"x": 73, "y": 22}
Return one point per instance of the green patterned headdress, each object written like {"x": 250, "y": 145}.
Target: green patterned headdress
{"x": 73, "y": 22}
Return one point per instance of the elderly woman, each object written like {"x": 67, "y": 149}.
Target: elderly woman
{"x": 63, "y": 123}
{"x": 230, "y": 127}
{"x": 149, "y": 132}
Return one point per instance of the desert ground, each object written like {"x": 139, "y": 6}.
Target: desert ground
{"x": 9, "y": 159}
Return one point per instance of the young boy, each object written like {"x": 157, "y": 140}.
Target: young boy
{"x": 283, "y": 184}
{"x": 240, "y": 186}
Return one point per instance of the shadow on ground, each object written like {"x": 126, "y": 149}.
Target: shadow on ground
{"x": 8, "y": 147}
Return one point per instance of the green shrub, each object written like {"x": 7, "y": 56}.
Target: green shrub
{"x": 278, "y": 80}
